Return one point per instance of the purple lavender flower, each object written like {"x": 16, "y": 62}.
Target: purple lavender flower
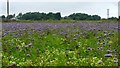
{"x": 108, "y": 55}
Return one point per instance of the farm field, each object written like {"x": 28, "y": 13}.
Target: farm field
{"x": 60, "y": 44}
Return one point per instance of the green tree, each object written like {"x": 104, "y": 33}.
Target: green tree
{"x": 96, "y": 17}
{"x": 19, "y": 16}
{"x": 113, "y": 18}
{"x": 3, "y": 17}
{"x": 58, "y": 16}
{"x": 10, "y": 16}
{"x": 83, "y": 16}
{"x": 51, "y": 15}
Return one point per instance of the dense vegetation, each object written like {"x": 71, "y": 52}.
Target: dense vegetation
{"x": 55, "y": 18}
{"x": 81, "y": 16}
{"x": 39, "y": 16}
{"x": 59, "y": 44}
{"x": 52, "y": 16}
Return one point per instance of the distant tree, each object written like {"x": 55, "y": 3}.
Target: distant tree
{"x": 82, "y": 16}
{"x": 43, "y": 16}
{"x": 26, "y": 16}
{"x": 40, "y": 16}
{"x": 51, "y": 15}
{"x": 66, "y": 17}
{"x": 96, "y": 17}
{"x": 113, "y": 18}
{"x": 89, "y": 17}
{"x": 3, "y": 17}
{"x": 13, "y": 15}
{"x": 10, "y": 16}
{"x": 19, "y": 16}
{"x": 58, "y": 16}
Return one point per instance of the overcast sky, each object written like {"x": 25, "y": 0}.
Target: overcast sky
{"x": 66, "y": 7}
{"x": 61, "y": 0}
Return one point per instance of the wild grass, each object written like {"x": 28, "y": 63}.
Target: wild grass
{"x": 57, "y": 47}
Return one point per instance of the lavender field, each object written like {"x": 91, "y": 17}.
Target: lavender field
{"x": 60, "y": 44}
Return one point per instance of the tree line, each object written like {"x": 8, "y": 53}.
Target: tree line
{"x": 82, "y": 16}
{"x": 53, "y": 16}
{"x": 39, "y": 16}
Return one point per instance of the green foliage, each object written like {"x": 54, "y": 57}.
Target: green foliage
{"x": 19, "y": 16}
{"x": 40, "y": 16}
{"x": 82, "y": 16}
{"x": 3, "y": 17}
{"x": 10, "y": 16}
{"x": 53, "y": 49}
{"x": 113, "y": 18}
{"x": 56, "y": 16}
